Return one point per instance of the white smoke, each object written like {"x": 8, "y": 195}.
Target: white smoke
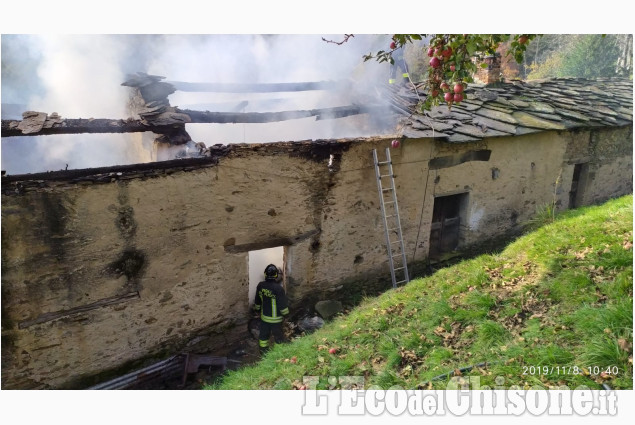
{"x": 78, "y": 73}
{"x": 80, "y": 76}
{"x": 268, "y": 59}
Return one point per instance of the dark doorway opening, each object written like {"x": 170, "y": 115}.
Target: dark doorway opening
{"x": 578, "y": 182}
{"x": 445, "y": 231}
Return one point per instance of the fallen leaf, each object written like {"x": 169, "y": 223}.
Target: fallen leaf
{"x": 624, "y": 344}
{"x": 605, "y": 375}
{"x": 580, "y": 255}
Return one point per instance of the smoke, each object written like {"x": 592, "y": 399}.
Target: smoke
{"x": 269, "y": 59}
{"x": 80, "y": 76}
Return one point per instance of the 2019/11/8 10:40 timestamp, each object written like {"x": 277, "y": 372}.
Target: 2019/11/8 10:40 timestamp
{"x": 570, "y": 370}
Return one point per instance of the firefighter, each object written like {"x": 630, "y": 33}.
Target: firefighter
{"x": 271, "y": 303}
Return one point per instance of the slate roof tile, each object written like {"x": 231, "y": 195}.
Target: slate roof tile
{"x": 519, "y": 107}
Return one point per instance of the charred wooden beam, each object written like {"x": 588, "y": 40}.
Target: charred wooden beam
{"x": 230, "y": 245}
{"x": 264, "y": 117}
{"x": 143, "y": 80}
{"x": 258, "y": 87}
{"x": 15, "y": 184}
{"x": 170, "y": 123}
{"x": 12, "y": 128}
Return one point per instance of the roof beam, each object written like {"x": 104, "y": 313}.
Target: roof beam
{"x": 258, "y": 87}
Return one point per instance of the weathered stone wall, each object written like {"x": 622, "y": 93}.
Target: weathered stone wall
{"x": 98, "y": 277}
{"x": 610, "y": 156}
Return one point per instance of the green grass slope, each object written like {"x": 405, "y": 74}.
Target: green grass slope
{"x": 554, "y": 308}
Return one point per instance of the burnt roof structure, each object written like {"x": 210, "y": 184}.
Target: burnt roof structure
{"x": 500, "y": 109}
{"x": 516, "y": 108}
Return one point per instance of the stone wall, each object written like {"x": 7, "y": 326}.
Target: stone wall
{"x": 101, "y": 275}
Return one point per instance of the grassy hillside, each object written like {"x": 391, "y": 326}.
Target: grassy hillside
{"x": 558, "y": 298}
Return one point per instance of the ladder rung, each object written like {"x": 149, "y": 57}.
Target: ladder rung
{"x": 384, "y": 162}
{"x": 403, "y": 281}
{"x": 394, "y": 242}
{"x": 389, "y": 202}
{"x": 388, "y": 216}
{"x": 387, "y": 189}
{"x": 399, "y": 268}
{"x": 398, "y": 255}
{"x": 385, "y": 175}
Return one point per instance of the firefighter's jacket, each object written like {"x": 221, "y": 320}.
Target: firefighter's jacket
{"x": 271, "y": 301}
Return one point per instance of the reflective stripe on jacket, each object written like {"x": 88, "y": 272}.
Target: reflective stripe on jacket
{"x": 271, "y": 301}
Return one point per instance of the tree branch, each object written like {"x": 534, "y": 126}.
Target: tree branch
{"x": 339, "y": 43}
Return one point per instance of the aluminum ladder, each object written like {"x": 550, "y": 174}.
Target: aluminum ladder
{"x": 392, "y": 223}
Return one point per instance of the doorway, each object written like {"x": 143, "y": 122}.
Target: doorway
{"x": 260, "y": 259}
{"x": 578, "y": 182}
{"x": 448, "y": 214}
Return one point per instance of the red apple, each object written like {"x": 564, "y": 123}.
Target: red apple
{"x": 444, "y": 86}
{"x": 522, "y": 39}
{"x": 449, "y": 97}
{"x": 395, "y": 144}
{"x": 447, "y": 52}
{"x": 294, "y": 359}
{"x": 393, "y": 45}
{"x": 452, "y": 68}
{"x": 458, "y": 97}
{"x": 435, "y": 62}
{"x": 303, "y": 387}
{"x": 458, "y": 88}
{"x": 430, "y": 52}
{"x": 334, "y": 350}
{"x": 434, "y": 93}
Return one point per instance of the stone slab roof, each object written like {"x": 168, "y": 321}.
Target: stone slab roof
{"x": 516, "y": 108}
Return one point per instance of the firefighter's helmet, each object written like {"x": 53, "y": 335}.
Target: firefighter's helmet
{"x": 271, "y": 272}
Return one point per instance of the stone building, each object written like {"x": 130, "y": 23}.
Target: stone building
{"x": 103, "y": 269}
